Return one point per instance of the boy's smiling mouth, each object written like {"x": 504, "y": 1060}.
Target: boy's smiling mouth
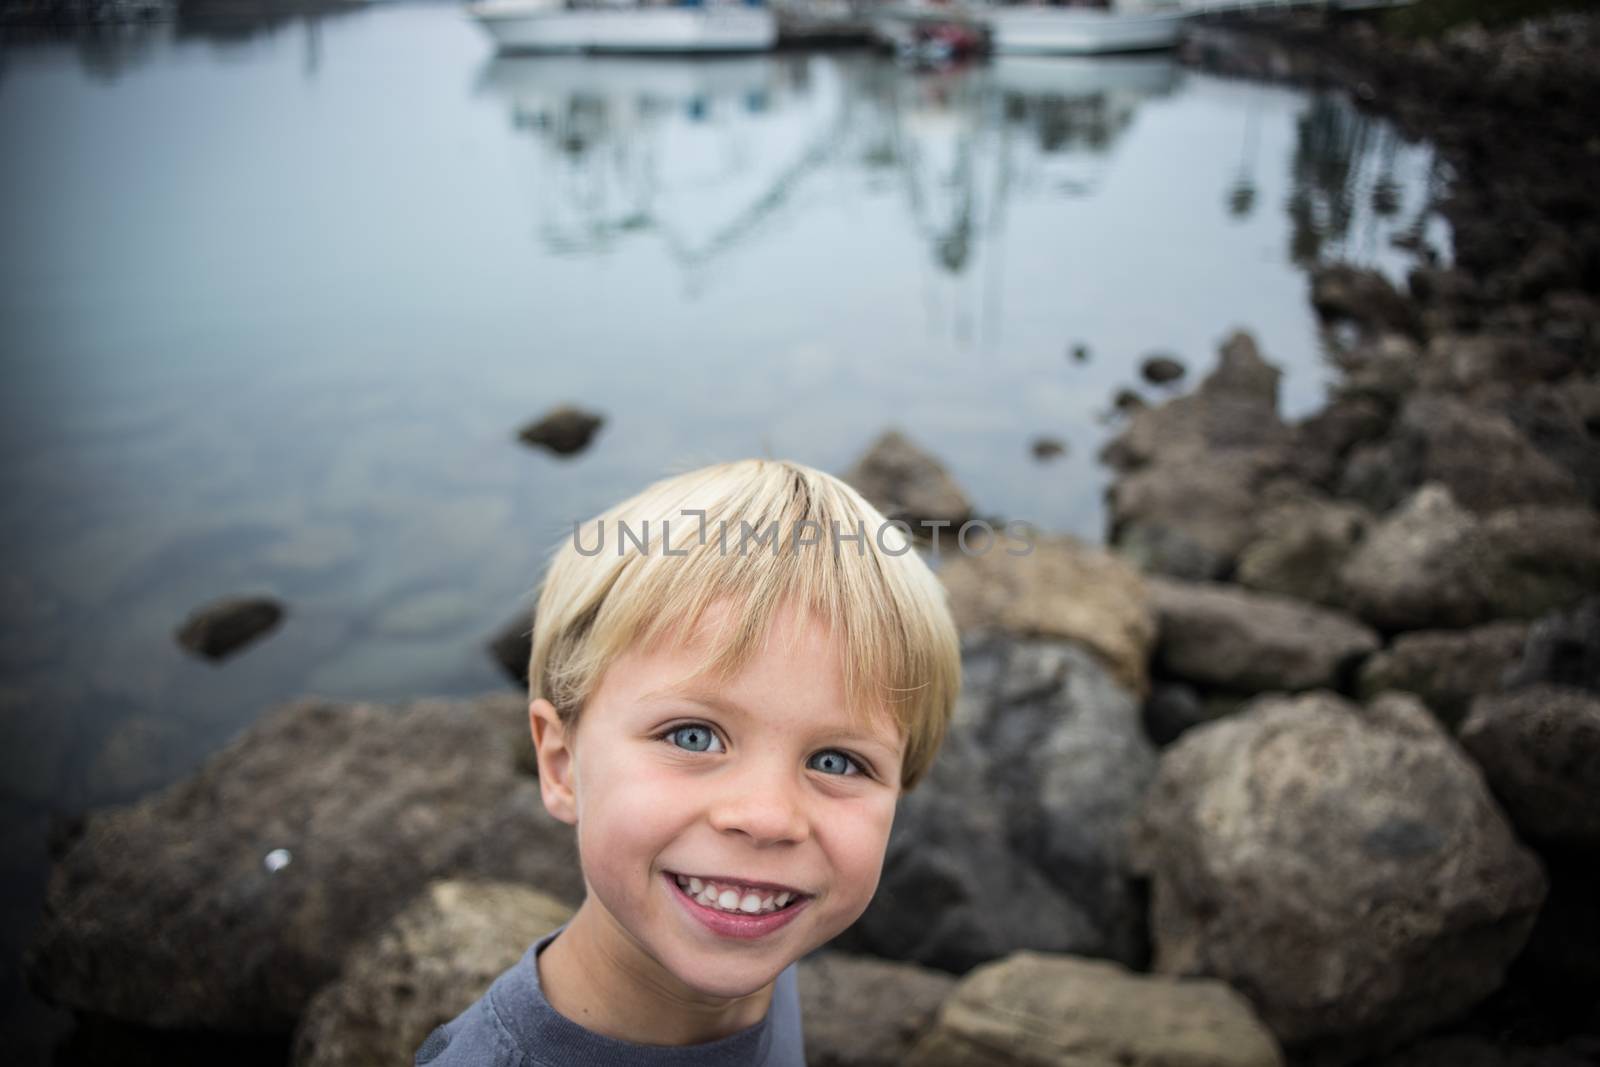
{"x": 737, "y": 896}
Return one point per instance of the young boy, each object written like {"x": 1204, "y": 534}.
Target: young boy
{"x": 735, "y": 676}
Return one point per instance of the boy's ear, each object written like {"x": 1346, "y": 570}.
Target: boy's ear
{"x": 557, "y": 777}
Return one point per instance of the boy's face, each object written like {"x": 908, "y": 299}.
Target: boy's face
{"x": 769, "y": 784}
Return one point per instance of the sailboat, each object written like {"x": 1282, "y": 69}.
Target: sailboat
{"x": 718, "y": 26}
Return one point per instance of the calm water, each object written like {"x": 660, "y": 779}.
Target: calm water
{"x": 273, "y": 306}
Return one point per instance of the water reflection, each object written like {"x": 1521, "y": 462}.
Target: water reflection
{"x": 701, "y": 155}
{"x": 698, "y": 154}
{"x": 1348, "y": 196}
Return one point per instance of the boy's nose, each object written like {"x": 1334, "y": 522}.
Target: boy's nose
{"x": 767, "y": 812}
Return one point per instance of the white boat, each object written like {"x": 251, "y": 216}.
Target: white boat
{"x": 1125, "y": 27}
{"x": 565, "y": 26}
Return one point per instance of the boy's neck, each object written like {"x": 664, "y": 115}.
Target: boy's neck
{"x": 596, "y": 976}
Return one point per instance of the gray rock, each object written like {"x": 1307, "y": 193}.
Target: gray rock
{"x": 1479, "y": 455}
{"x": 1446, "y": 668}
{"x": 1540, "y": 749}
{"x": 1018, "y": 838}
{"x": 1562, "y": 420}
{"x": 1192, "y": 469}
{"x": 1464, "y": 362}
{"x": 863, "y": 1012}
{"x": 1385, "y": 367}
{"x": 1364, "y": 297}
{"x": 562, "y": 430}
{"x": 1235, "y": 407}
{"x": 907, "y": 483}
{"x": 421, "y": 970}
{"x": 1056, "y": 1011}
{"x": 1540, "y": 559}
{"x": 1431, "y": 564}
{"x": 1191, "y": 517}
{"x": 1563, "y": 648}
{"x": 219, "y": 629}
{"x": 1343, "y": 867}
{"x": 1298, "y": 547}
{"x": 171, "y": 912}
{"x": 1324, "y": 441}
{"x": 1230, "y": 638}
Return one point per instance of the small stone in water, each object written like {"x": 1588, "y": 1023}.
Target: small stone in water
{"x": 277, "y": 859}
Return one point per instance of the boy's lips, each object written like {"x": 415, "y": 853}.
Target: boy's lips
{"x": 748, "y": 883}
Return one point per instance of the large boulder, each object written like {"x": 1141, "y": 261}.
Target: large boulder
{"x": 1225, "y": 637}
{"x": 863, "y": 1012}
{"x": 1018, "y": 838}
{"x": 1062, "y": 588}
{"x": 1037, "y": 1010}
{"x": 908, "y": 484}
{"x": 225, "y": 901}
{"x": 1447, "y": 668}
{"x": 1343, "y": 867}
{"x": 1433, "y": 564}
{"x": 1540, "y": 749}
{"x": 420, "y": 971}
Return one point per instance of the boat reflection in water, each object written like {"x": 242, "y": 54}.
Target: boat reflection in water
{"x": 704, "y": 156}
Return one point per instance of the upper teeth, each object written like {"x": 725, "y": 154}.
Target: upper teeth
{"x": 733, "y": 898}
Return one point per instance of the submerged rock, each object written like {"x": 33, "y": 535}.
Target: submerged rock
{"x": 1160, "y": 369}
{"x": 563, "y": 430}
{"x": 221, "y": 628}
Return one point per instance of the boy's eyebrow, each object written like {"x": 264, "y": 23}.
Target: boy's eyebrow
{"x": 716, "y": 700}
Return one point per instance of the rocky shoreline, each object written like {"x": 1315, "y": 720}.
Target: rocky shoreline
{"x": 1303, "y": 769}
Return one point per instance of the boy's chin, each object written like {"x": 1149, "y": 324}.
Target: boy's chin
{"x": 732, "y": 980}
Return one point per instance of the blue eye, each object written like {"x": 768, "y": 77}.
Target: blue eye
{"x": 837, "y": 761}
{"x": 697, "y": 738}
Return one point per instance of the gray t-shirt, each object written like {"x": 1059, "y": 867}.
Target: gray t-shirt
{"x": 513, "y": 1025}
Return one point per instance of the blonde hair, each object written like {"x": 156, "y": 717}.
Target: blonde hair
{"x": 901, "y": 650}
